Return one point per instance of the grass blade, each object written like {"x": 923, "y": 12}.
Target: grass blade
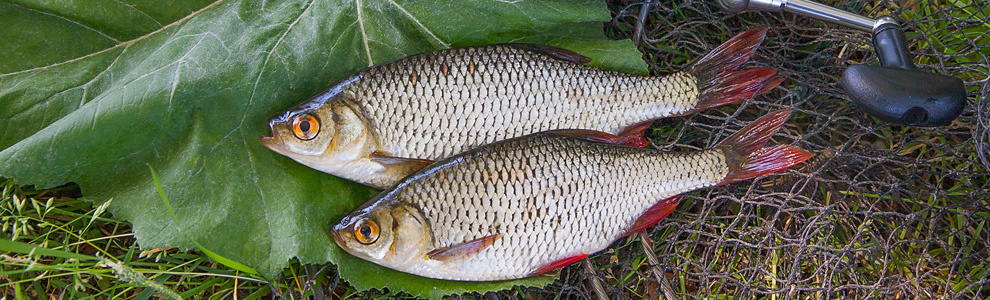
{"x": 18, "y": 247}
{"x": 161, "y": 191}
{"x": 227, "y": 262}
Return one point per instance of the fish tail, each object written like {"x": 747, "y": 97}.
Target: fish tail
{"x": 719, "y": 81}
{"x": 746, "y": 156}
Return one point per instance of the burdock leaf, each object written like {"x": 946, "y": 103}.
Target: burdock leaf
{"x": 94, "y": 94}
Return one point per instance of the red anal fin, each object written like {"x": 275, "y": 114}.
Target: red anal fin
{"x": 464, "y": 249}
{"x": 633, "y": 135}
{"x": 559, "y": 264}
{"x": 653, "y": 215}
{"x": 626, "y": 139}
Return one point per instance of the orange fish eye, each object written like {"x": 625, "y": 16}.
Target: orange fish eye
{"x": 366, "y": 231}
{"x": 305, "y": 126}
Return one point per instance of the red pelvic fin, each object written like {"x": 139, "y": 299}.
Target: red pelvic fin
{"x": 464, "y": 249}
{"x": 633, "y": 135}
{"x": 559, "y": 264}
{"x": 653, "y": 215}
{"x": 745, "y": 153}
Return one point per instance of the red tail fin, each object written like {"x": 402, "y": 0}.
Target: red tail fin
{"x": 729, "y": 55}
{"x": 719, "y": 81}
{"x": 748, "y": 160}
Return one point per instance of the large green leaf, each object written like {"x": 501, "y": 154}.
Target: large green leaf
{"x": 95, "y": 91}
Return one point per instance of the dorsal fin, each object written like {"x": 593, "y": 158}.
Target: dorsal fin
{"x": 554, "y": 52}
{"x": 464, "y": 249}
{"x": 632, "y": 136}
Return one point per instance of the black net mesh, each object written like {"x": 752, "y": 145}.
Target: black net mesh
{"x": 882, "y": 210}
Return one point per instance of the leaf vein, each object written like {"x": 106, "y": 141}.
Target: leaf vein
{"x": 264, "y": 65}
{"x": 69, "y": 20}
{"x": 428, "y": 31}
{"x": 364, "y": 35}
{"x": 139, "y": 11}
{"x": 178, "y": 62}
{"x": 125, "y": 43}
{"x": 82, "y": 100}
{"x": 175, "y": 84}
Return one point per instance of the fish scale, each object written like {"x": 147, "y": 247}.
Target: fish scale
{"x": 534, "y": 86}
{"x": 385, "y": 122}
{"x": 574, "y": 200}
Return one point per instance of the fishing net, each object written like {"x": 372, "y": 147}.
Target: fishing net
{"x": 881, "y": 211}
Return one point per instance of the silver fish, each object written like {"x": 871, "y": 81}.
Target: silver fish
{"x": 390, "y": 120}
{"x": 532, "y": 204}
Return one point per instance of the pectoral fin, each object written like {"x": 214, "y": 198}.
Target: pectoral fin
{"x": 462, "y": 250}
{"x": 398, "y": 167}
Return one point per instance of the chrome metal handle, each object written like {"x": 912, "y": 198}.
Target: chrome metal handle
{"x": 805, "y": 8}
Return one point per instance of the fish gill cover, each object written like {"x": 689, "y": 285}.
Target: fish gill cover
{"x": 93, "y": 95}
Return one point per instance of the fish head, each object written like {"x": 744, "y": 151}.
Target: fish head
{"x": 394, "y": 236}
{"x": 326, "y": 136}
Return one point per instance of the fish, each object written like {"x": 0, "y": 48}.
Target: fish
{"x": 388, "y": 121}
{"x": 532, "y": 204}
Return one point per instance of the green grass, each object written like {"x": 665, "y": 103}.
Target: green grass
{"x": 111, "y": 265}
{"x": 853, "y": 235}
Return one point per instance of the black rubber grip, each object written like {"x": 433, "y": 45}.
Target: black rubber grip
{"x": 891, "y": 47}
{"x": 908, "y": 97}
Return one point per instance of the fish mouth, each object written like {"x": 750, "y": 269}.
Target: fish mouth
{"x": 272, "y": 141}
{"x": 336, "y": 237}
